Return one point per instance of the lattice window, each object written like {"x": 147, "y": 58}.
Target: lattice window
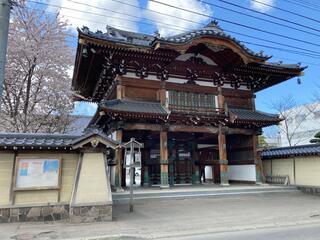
{"x": 191, "y": 101}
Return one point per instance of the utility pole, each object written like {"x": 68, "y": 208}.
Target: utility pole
{"x": 5, "y": 6}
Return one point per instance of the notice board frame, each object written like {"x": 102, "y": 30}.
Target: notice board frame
{"x": 18, "y": 159}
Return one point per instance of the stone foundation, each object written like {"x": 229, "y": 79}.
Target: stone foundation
{"x": 310, "y": 190}
{"x": 34, "y": 214}
{"x": 56, "y": 213}
{"x": 98, "y": 213}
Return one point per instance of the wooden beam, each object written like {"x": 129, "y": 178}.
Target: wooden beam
{"x": 199, "y": 129}
{"x": 172, "y": 128}
{"x": 242, "y": 131}
{"x": 142, "y": 126}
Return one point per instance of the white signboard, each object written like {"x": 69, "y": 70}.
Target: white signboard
{"x": 37, "y": 173}
{"x": 242, "y": 172}
{"x": 136, "y": 161}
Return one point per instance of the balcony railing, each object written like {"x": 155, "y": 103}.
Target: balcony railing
{"x": 196, "y": 110}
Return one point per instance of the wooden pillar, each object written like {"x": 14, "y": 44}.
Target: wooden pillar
{"x": 120, "y": 91}
{"x": 118, "y": 158}
{"x": 223, "y": 161}
{"x": 221, "y": 100}
{"x": 162, "y": 93}
{"x": 257, "y": 160}
{"x": 172, "y": 157}
{"x": 195, "y": 164}
{"x": 164, "y": 159}
{"x": 146, "y": 159}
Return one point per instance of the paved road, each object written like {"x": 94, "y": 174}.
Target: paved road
{"x": 259, "y": 215}
{"x": 302, "y": 232}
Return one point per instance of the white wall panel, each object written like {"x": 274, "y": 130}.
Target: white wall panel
{"x": 242, "y": 172}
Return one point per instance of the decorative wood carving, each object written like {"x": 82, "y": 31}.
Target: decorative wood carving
{"x": 192, "y": 76}
{"x": 235, "y": 81}
{"x": 142, "y": 72}
{"x": 163, "y": 74}
{"x": 121, "y": 68}
{"x": 218, "y": 79}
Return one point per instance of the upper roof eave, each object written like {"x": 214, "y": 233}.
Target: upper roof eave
{"x": 101, "y": 39}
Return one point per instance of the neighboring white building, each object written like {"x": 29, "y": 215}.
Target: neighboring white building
{"x": 301, "y": 124}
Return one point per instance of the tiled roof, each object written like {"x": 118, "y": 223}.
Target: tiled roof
{"x": 146, "y": 40}
{"x": 121, "y": 36}
{"x": 139, "y": 39}
{"x": 251, "y": 115}
{"x": 212, "y": 29}
{"x": 36, "y": 140}
{"x": 310, "y": 149}
{"x": 134, "y": 106}
{"x": 78, "y": 124}
{"x": 282, "y": 65}
{"x": 48, "y": 141}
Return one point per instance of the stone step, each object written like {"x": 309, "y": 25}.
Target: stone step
{"x": 174, "y": 193}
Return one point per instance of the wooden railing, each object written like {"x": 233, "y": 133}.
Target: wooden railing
{"x": 278, "y": 180}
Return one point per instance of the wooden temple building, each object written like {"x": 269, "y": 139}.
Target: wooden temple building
{"x": 189, "y": 98}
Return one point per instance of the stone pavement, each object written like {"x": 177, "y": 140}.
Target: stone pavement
{"x": 163, "y": 218}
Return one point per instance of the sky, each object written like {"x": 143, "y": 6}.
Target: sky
{"x": 137, "y": 16}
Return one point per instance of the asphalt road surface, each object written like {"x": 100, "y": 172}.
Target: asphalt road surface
{"x": 302, "y": 232}
{"x": 272, "y": 216}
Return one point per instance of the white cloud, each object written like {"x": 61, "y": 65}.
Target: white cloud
{"x": 108, "y": 14}
{"x": 262, "y": 7}
{"x": 164, "y": 23}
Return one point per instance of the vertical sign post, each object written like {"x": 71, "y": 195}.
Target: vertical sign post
{"x": 132, "y": 160}
{"x": 131, "y": 173}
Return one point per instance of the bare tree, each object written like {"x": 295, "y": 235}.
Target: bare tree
{"x": 37, "y": 86}
{"x": 293, "y": 116}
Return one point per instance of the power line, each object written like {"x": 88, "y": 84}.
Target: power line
{"x": 263, "y": 19}
{"x": 271, "y": 47}
{"x": 312, "y": 4}
{"x": 301, "y": 5}
{"x": 287, "y": 11}
{"x": 265, "y": 14}
{"x": 102, "y": 15}
{"x": 295, "y": 47}
{"x": 237, "y": 24}
{"x": 284, "y": 50}
{"x": 270, "y": 41}
{"x": 295, "y": 60}
{"x": 83, "y": 19}
{"x": 166, "y": 24}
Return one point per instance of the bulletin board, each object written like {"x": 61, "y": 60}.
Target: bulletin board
{"x": 37, "y": 173}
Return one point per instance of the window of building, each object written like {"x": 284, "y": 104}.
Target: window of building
{"x": 191, "y": 101}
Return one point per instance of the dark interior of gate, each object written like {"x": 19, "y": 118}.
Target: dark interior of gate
{"x": 193, "y": 158}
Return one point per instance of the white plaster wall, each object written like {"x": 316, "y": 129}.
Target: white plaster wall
{"x": 208, "y": 172}
{"x": 242, "y": 172}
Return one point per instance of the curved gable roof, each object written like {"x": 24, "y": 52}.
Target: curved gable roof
{"x": 210, "y": 31}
